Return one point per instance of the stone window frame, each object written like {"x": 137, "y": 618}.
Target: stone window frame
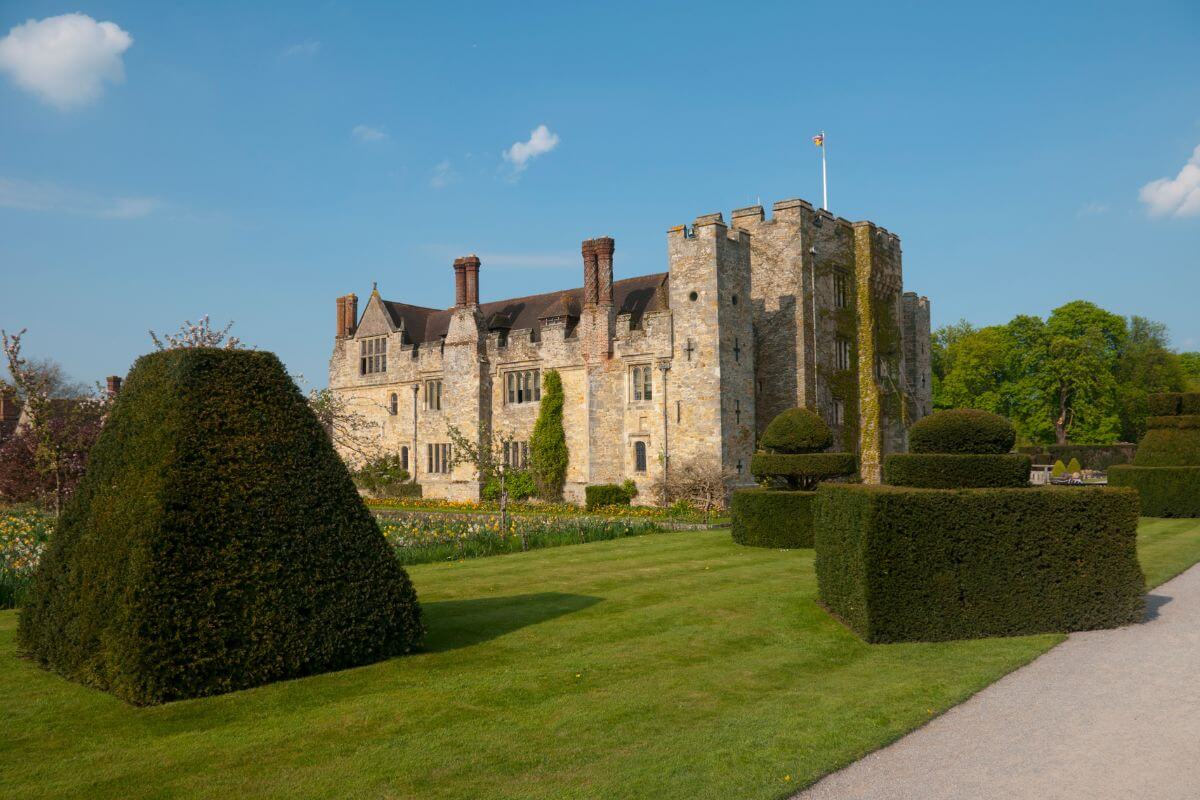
{"x": 641, "y": 383}
{"x": 433, "y": 394}
{"x": 841, "y": 288}
{"x": 437, "y": 458}
{"x": 394, "y": 404}
{"x": 522, "y": 386}
{"x": 640, "y": 459}
{"x": 516, "y": 455}
{"x": 839, "y": 412}
{"x": 842, "y": 353}
{"x": 372, "y": 355}
{"x": 404, "y": 457}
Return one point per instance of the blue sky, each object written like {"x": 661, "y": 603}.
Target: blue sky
{"x": 252, "y": 163}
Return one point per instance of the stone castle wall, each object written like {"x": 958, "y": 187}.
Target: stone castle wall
{"x": 752, "y": 322}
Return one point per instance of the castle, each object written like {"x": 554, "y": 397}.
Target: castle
{"x": 686, "y": 366}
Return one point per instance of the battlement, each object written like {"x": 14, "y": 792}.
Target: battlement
{"x": 709, "y": 226}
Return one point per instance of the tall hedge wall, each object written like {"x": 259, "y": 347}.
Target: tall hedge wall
{"x": 772, "y": 518}
{"x": 216, "y": 542}
{"x": 1165, "y": 491}
{"x": 901, "y": 564}
{"x": 1169, "y": 447}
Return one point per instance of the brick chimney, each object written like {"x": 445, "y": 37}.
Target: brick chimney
{"x": 10, "y": 409}
{"x": 471, "y": 270}
{"x": 604, "y": 247}
{"x": 460, "y": 283}
{"x": 589, "y": 272}
{"x": 347, "y": 315}
{"x": 114, "y": 385}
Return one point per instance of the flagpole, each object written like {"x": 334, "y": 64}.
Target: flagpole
{"x": 824, "y": 179}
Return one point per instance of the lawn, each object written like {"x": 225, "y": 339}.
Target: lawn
{"x": 671, "y": 666}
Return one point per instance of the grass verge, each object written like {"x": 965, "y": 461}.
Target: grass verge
{"x": 678, "y": 666}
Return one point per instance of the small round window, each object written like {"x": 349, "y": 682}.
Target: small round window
{"x": 693, "y": 296}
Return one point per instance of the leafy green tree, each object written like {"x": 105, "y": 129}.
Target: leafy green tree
{"x": 1145, "y": 364}
{"x": 1190, "y": 363}
{"x": 548, "y": 456}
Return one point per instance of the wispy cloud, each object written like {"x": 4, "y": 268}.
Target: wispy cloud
{"x": 1091, "y": 210}
{"x": 65, "y": 60}
{"x": 443, "y": 175}
{"x": 368, "y": 133}
{"x": 1178, "y": 196}
{"x": 507, "y": 260}
{"x": 541, "y": 141}
{"x": 303, "y": 49}
{"x": 50, "y": 197}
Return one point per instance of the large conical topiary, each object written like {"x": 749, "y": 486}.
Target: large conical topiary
{"x": 1166, "y": 469}
{"x": 216, "y": 542}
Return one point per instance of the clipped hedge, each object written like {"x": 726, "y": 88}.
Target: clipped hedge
{"x": 1165, "y": 491}
{"x": 217, "y": 542}
{"x": 801, "y": 468}
{"x": 962, "y": 430}
{"x": 1170, "y": 404}
{"x": 1169, "y": 447}
{"x": 1094, "y": 456}
{"x": 772, "y": 518}
{"x": 952, "y": 470}
{"x": 796, "y": 430}
{"x": 606, "y": 494}
{"x": 900, "y": 564}
{"x": 1180, "y": 421}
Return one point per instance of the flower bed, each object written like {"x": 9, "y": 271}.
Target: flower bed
{"x": 678, "y": 512}
{"x": 421, "y": 539}
{"x": 24, "y": 532}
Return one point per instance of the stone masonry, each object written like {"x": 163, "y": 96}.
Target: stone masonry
{"x": 659, "y": 371}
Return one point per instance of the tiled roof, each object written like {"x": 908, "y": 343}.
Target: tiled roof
{"x": 634, "y": 296}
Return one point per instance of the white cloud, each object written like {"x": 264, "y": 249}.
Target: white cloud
{"x": 541, "y": 141}
{"x": 65, "y": 60}
{"x": 43, "y": 196}
{"x": 443, "y": 175}
{"x": 1091, "y": 209}
{"x": 1178, "y": 196}
{"x": 366, "y": 133}
{"x": 303, "y": 49}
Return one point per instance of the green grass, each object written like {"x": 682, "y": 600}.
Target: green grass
{"x": 675, "y": 666}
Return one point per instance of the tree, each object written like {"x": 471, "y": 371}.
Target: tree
{"x": 548, "y": 455}
{"x": 47, "y": 455}
{"x": 1190, "y": 364}
{"x": 1145, "y": 364}
{"x": 1076, "y": 377}
{"x": 198, "y": 334}
{"x": 486, "y": 455}
{"x": 353, "y": 434}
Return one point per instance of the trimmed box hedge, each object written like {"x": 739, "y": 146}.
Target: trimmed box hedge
{"x": 962, "y": 430}
{"x": 951, "y": 470}
{"x": 1180, "y": 421}
{"x": 901, "y": 564}
{"x": 216, "y": 542}
{"x": 1169, "y": 447}
{"x": 1170, "y": 404}
{"x": 1165, "y": 491}
{"x": 605, "y": 494}
{"x": 1093, "y": 456}
{"x": 802, "y": 466}
{"x": 772, "y": 518}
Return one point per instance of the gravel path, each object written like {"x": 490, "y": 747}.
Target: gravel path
{"x": 1106, "y": 714}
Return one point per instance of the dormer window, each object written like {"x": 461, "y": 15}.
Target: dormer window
{"x": 372, "y": 355}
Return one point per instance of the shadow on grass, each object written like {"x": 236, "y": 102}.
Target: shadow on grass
{"x": 452, "y": 624}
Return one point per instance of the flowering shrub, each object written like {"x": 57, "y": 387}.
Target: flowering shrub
{"x": 420, "y": 538}
{"x": 24, "y": 532}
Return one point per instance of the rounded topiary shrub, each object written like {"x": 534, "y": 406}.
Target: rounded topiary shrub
{"x": 962, "y": 430}
{"x": 801, "y": 470}
{"x": 217, "y": 542}
{"x": 796, "y": 430}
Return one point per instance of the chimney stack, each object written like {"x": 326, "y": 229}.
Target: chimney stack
{"x": 114, "y": 385}
{"x": 460, "y": 283}
{"x": 347, "y": 315}
{"x": 589, "y": 272}
{"x": 471, "y": 269}
{"x": 604, "y": 247}
{"x": 10, "y": 409}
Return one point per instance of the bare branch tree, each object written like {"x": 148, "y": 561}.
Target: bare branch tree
{"x": 486, "y": 454}
{"x": 352, "y": 432}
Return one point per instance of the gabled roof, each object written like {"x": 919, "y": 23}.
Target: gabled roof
{"x": 633, "y": 296}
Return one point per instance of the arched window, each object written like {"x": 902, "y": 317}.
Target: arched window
{"x": 394, "y": 405}
{"x": 639, "y": 456}
{"x": 403, "y": 457}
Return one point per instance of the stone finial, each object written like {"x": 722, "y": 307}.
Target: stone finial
{"x": 604, "y": 248}
{"x": 590, "y": 266}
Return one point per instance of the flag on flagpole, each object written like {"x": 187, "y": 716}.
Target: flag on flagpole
{"x": 819, "y": 140}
